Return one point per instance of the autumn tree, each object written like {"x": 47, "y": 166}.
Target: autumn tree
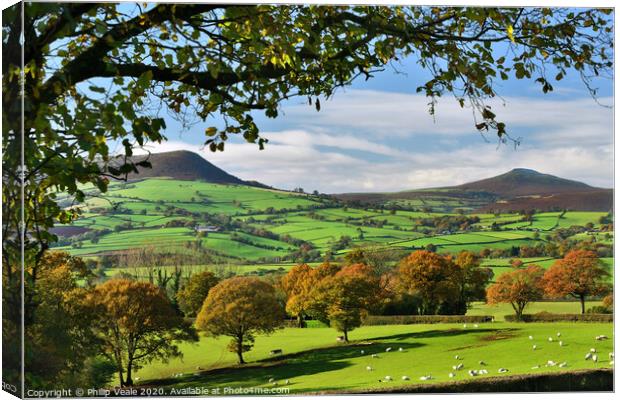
{"x": 519, "y": 288}
{"x": 195, "y": 291}
{"x": 346, "y": 297}
{"x": 579, "y": 274}
{"x": 432, "y": 277}
{"x": 298, "y": 284}
{"x": 136, "y": 324}
{"x": 240, "y": 307}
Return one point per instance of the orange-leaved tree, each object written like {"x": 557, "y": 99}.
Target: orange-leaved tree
{"x": 579, "y": 274}
{"x": 135, "y": 324}
{"x": 472, "y": 280}
{"x": 344, "y": 298}
{"x": 240, "y": 307}
{"x": 298, "y": 284}
{"x": 193, "y": 294}
{"x": 432, "y": 277}
{"x": 518, "y": 287}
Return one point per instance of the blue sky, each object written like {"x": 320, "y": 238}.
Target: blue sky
{"x": 377, "y": 135}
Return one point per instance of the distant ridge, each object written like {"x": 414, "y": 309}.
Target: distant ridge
{"x": 523, "y": 182}
{"x": 187, "y": 166}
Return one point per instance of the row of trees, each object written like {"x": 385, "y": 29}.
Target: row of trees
{"x": 579, "y": 274}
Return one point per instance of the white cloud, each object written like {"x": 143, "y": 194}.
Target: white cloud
{"x": 334, "y": 149}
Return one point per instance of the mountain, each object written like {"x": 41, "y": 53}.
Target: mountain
{"x": 187, "y": 166}
{"x": 515, "y": 190}
{"x": 524, "y": 182}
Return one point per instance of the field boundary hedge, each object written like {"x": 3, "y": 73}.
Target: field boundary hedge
{"x": 423, "y": 319}
{"x": 594, "y": 380}
{"x": 549, "y": 317}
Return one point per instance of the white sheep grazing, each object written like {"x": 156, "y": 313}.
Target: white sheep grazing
{"x": 457, "y": 357}
{"x": 611, "y": 362}
{"x": 502, "y": 370}
{"x": 593, "y": 350}
{"x": 464, "y": 325}
{"x": 361, "y": 351}
{"x": 595, "y": 358}
{"x": 536, "y": 367}
{"x": 374, "y": 356}
{"x": 561, "y": 343}
{"x": 475, "y": 325}
{"x": 426, "y": 378}
{"x": 271, "y": 380}
{"x": 483, "y": 372}
{"x": 137, "y": 378}
{"x": 405, "y": 378}
{"x": 368, "y": 368}
{"x": 551, "y": 363}
{"x": 531, "y": 337}
{"x": 286, "y": 382}
{"x": 534, "y": 347}
{"x": 471, "y": 372}
{"x": 388, "y": 349}
{"x": 588, "y": 356}
{"x": 451, "y": 375}
{"x": 558, "y": 334}
{"x": 550, "y": 339}
{"x": 459, "y": 367}
{"x": 601, "y": 337}
{"x": 388, "y": 378}
{"x": 400, "y": 349}
{"x": 562, "y": 365}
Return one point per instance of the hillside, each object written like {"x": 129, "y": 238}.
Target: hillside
{"x": 523, "y": 182}
{"x": 186, "y": 166}
{"x": 515, "y": 190}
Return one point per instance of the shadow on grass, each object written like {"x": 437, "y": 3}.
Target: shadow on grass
{"x": 436, "y": 333}
{"x": 285, "y": 367}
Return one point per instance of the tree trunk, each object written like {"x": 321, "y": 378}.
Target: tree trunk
{"x": 240, "y": 350}
{"x": 346, "y": 336}
{"x": 582, "y": 299}
{"x": 300, "y": 321}
{"x": 120, "y": 376}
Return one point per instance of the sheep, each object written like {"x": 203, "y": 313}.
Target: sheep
{"x": 465, "y": 326}
{"x": 562, "y": 364}
{"x": 457, "y": 357}
{"x": 611, "y": 362}
{"x": 374, "y": 356}
{"x": 611, "y": 356}
{"x": 405, "y": 378}
{"x": 483, "y": 372}
{"x": 271, "y": 380}
{"x": 558, "y": 334}
{"x": 561, "y": 343}
{"x": 400, "y": 349}
{"x": 536, "y": 367}
{"x": 457, "y": 367}
{"x": 472, "y": 372}
{"x": 388, "y": 349}
{"x": 550, "y": 339}
{"x": 482, "y": 363}
{"x": 368, "y": 368}
{"x": 475, "y": 325}
{"x": 534, "y": 347}
{"x": 601, "y": 337}
{"x": 388, "y": 378}
{"x": 594, "y": 358}
{"x": 531, "y": 337}
{"x": 593, "y": 350}
{"x": 286, "y": 382}
{"x": 198, "y": 368}
{"x": 451, "y": 375}
{"x": 426, "y": 378}
{"x": 551, "y": 363}
{"x": 502, "y": 370}
{"x": 588, "y": 356}
{"x": 137, "y": 378}
{"x": 362, "y": 352}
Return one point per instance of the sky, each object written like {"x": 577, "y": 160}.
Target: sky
{"x": 377, "y": 136}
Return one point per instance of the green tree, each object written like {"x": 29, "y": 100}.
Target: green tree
{"x": 135, "y": 324}
{"x": 194, "y": 293}
{"x": 240, "y": 307}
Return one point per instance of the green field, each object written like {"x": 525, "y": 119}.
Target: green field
{"x": 313, "y": 361}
